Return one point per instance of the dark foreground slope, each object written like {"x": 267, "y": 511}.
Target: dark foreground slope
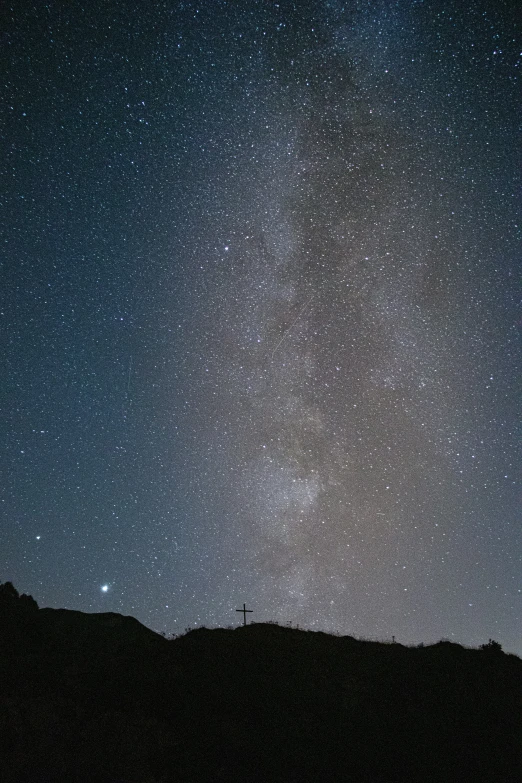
{"x": 102, "y": 698}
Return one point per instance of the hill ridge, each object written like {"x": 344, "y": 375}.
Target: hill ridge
{"x": 99, "y": 697}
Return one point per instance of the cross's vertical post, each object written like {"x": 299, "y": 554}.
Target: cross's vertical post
{"x": 244, "y": 610}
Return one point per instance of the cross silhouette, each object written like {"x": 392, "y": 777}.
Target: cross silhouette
{"x": 244, "y": 610}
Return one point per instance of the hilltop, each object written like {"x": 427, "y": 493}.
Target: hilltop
{"x": 101, "y": 698}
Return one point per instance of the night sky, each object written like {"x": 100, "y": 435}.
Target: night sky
{"x": 260, "y": 338}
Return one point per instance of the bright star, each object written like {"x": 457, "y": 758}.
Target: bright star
{"x": 105, "y": 588}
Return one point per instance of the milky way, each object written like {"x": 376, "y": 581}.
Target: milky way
{"x": 262, "y": 338}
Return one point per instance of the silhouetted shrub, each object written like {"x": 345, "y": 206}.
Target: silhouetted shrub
{"x": 492, "y": 647}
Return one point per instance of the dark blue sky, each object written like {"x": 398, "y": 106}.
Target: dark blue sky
{"x": 259, "y": 314}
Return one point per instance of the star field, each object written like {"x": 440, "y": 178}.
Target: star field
{"x": 259, "y": 307}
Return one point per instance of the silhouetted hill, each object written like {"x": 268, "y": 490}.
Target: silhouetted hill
{"x": 104, "y": 628}
{"x": 101, "y": 698}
